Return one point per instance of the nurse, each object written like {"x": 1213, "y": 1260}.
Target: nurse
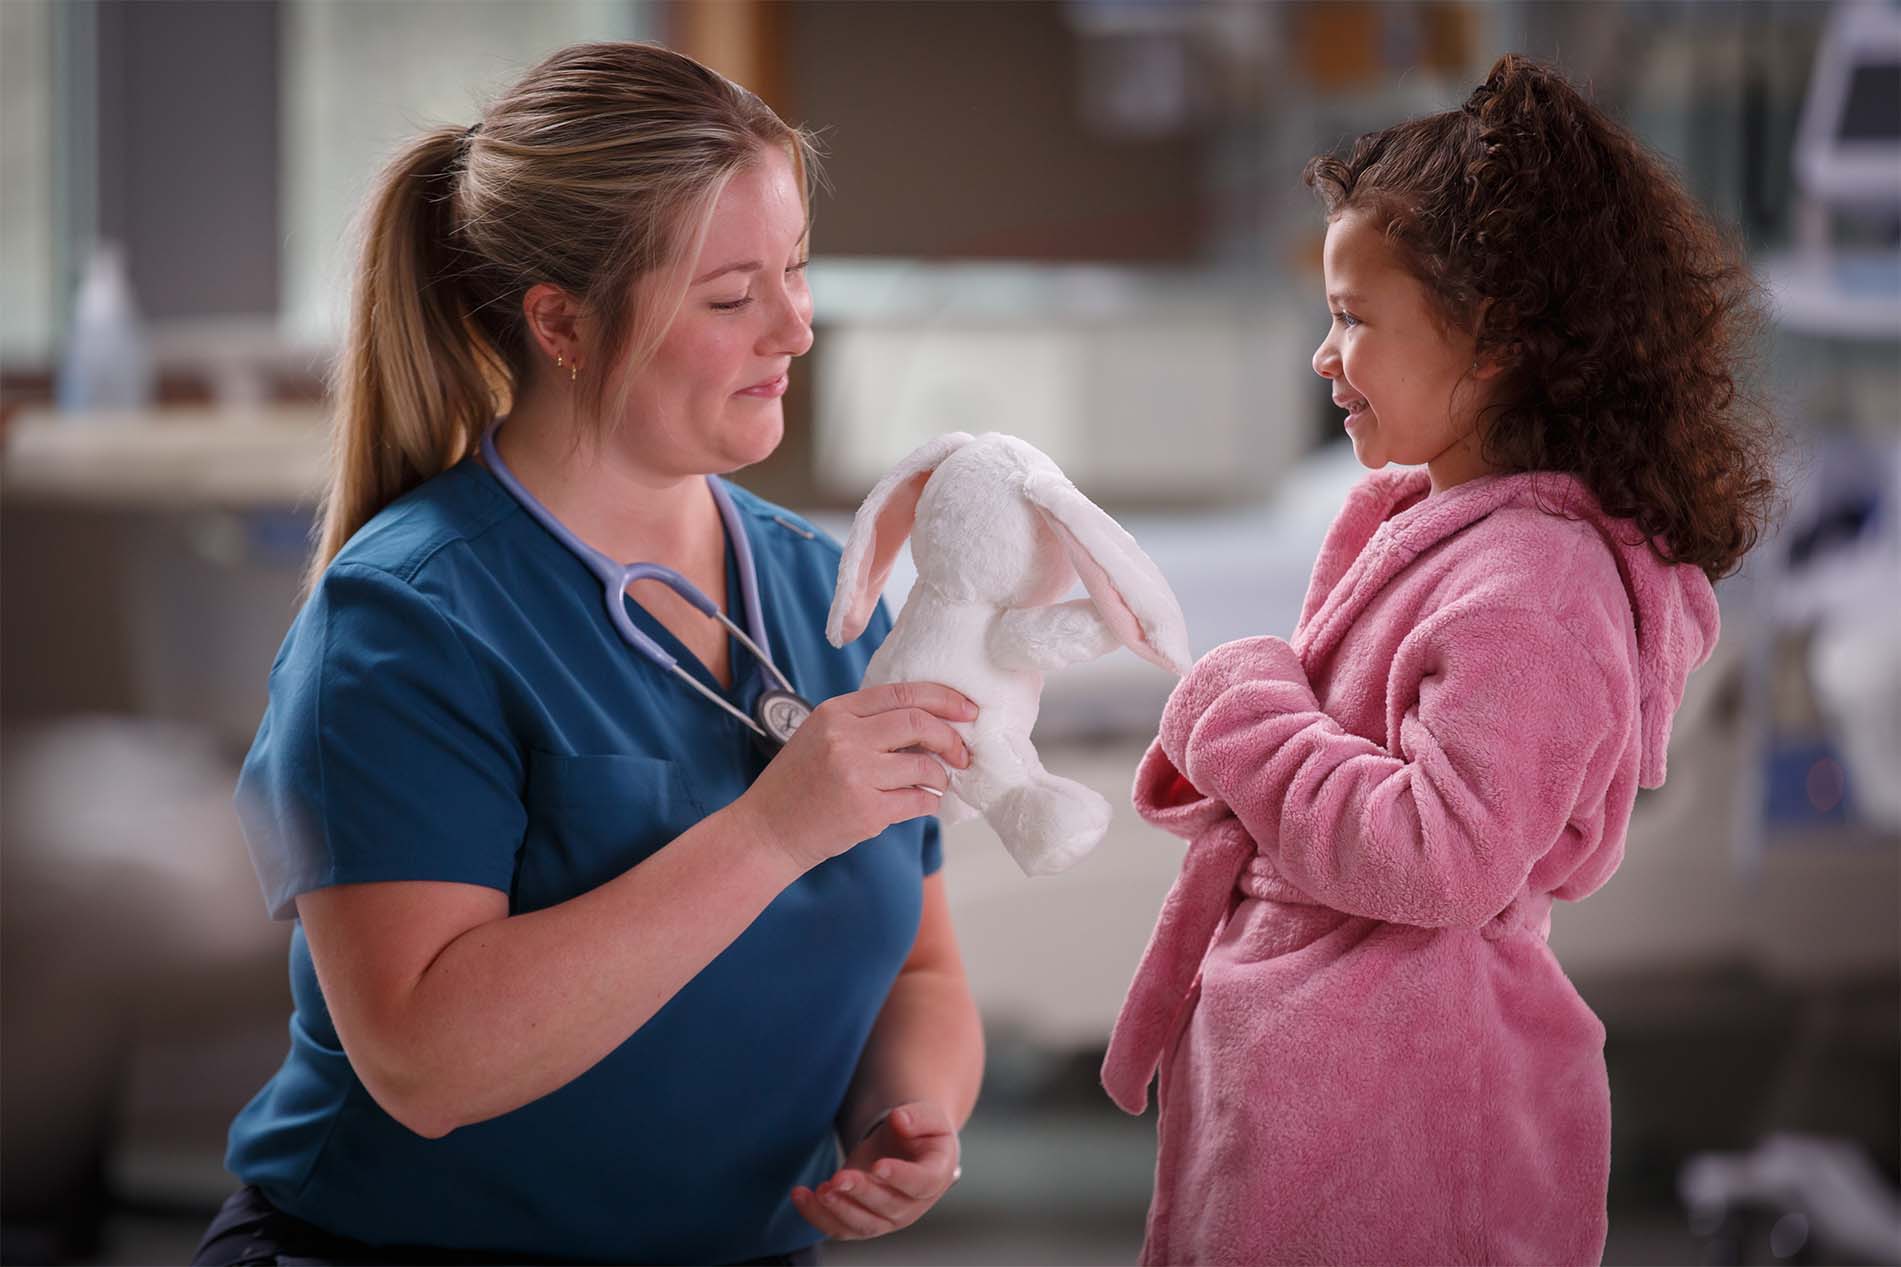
{"x": 580, "y": 971}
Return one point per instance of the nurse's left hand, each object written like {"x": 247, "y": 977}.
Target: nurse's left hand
{"x": 889, "y": 1180}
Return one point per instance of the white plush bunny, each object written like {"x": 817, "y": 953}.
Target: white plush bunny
{"x": 999, "y": 536}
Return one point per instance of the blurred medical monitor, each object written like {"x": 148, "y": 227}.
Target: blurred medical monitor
{"x": 1848, "y": 148}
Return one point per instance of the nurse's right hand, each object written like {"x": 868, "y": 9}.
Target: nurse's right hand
{"x": 857, "y": 765}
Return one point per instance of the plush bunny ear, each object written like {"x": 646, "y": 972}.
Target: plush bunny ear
{"x": 1126, "y": 586}
{"x": 878, "y": 530}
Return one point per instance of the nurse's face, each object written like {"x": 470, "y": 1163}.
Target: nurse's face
{"x": 709, "y": 399}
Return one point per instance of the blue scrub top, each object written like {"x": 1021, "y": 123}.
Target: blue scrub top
{"x": 453, "y": 704}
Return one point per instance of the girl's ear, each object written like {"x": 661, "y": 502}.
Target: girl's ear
{"x": 877, "y": 533}
{"x": 1489, "y": 365}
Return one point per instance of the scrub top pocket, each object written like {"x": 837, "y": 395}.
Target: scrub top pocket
{"x": 590, "y": 818}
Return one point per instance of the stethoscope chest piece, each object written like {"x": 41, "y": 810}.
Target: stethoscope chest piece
{"x": 778, "y": 714}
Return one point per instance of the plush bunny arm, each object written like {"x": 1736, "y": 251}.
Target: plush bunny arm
{"x": 1053, "y": 637}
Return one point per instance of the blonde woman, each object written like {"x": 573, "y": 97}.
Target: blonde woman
{"x": 587, "y": 966}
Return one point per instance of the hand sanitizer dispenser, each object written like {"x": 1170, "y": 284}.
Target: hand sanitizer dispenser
{"x": 106, "y": 365}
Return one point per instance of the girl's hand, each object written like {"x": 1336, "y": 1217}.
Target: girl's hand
{"x": 846, "y": 774}
{"x": 900, "y": 1170}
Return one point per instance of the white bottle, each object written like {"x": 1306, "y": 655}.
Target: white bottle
{"x": 106, "y": 365}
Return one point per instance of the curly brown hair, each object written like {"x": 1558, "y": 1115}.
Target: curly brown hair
{"x": 1625, "y": 317}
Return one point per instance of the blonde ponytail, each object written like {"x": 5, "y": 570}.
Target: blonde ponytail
{"x": 410, "y": 389}
{"x": 593, "y": 172}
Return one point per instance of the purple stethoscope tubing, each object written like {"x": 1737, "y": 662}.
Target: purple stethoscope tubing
{"x": 616, "y": 577}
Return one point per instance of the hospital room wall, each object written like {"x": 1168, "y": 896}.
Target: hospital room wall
{"x": 936, "y": 94}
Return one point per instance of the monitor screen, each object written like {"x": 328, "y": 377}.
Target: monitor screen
{"x": 1872, "y": 111}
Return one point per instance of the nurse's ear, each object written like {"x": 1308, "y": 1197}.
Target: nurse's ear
{"x": 877, "y": 533}
{"x": 556, "y": 322}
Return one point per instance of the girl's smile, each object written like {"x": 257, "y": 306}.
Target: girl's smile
{"x": 1406, "y": 378}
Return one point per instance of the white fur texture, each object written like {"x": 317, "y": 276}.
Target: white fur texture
{"x": 998, "y": 536}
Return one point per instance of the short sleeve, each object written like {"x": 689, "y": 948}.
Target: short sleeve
{"x": 383, "y": 754}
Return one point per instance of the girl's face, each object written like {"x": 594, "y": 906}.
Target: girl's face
{"x": 1409, "y": 386}
{"x": 709, "y": 399}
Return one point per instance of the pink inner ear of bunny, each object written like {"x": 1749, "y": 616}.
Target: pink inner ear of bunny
{"x": 1115, "y": 611}
{"x": 888, "y": 532}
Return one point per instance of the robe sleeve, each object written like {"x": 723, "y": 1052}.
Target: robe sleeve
{"x": 1508, "y": 725}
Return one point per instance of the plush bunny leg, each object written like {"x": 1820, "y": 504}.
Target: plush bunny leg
{"x": 1050, "y": 826}
{"x": 1046, "y": 822}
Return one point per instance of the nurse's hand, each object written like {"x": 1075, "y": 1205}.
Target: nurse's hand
{"x": 857, "y": 765}
{"x": 900, "y": 1170}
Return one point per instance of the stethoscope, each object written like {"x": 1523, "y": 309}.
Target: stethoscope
{"x": 776, "y": 713}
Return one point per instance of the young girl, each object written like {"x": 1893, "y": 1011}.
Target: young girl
{"x": 1367, "y": 1052}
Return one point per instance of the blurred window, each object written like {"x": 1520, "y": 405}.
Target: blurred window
{"x": 27, "y": 241}
{"x": 360, "y": 79}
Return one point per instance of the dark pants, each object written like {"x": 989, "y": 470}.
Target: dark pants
{"x": 249, "y": 1230}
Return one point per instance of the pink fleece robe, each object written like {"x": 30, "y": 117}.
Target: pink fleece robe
{"x": 1367, "y": 1052}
